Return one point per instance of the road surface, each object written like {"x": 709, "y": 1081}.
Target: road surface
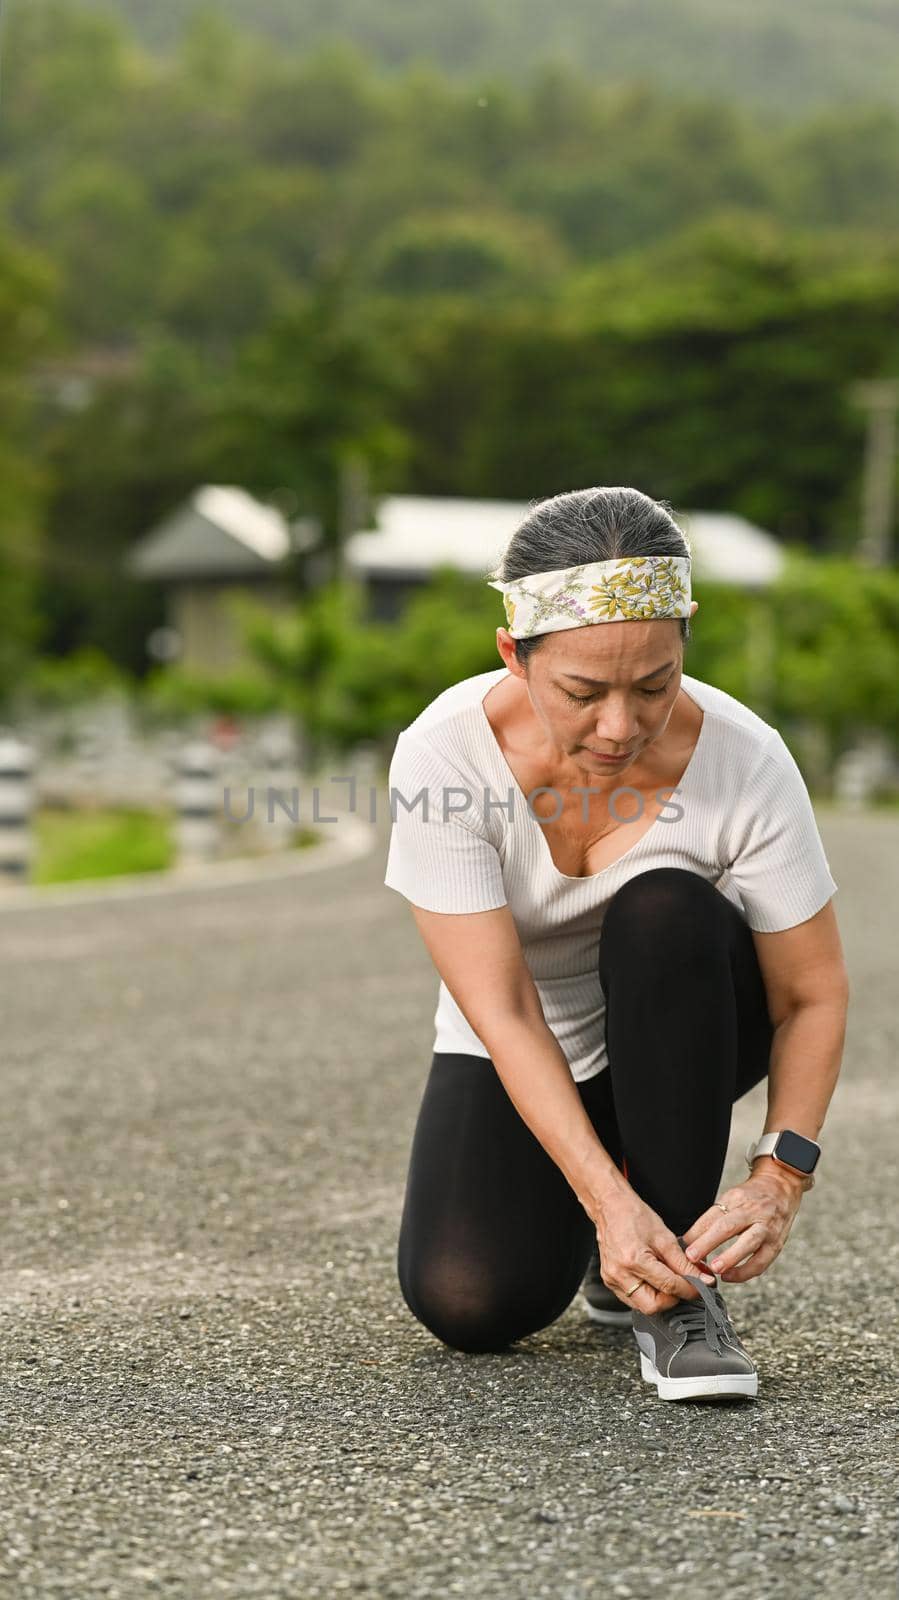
{"x": 212, "y": 1386}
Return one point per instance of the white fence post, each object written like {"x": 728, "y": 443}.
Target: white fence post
{"x": 280, "y": 797}
{"x": 90, "y": 759}
{"x": 198, "y": 802}
{"x": 861, "y": 770}
{"x": 16, "y": 802}
{"x": 364, "y": 759}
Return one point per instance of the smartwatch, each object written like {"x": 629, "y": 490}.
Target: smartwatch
{"x": 792, "y": 1149}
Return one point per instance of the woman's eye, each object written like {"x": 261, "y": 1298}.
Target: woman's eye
{"x": 584, "y": 699}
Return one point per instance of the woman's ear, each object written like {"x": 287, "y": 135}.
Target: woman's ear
{"x": 505, "y": 644}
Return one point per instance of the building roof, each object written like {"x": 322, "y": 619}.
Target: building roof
{"x": 416, "y": 533}
{"x": 728, "y": 549}
{"x": 221, "y": 531}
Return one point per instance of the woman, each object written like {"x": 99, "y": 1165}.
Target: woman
{"x": 620, "y": 881}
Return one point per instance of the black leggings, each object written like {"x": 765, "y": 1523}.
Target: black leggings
{"x": 494, "y": 1243}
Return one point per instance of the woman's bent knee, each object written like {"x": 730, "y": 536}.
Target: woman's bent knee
{"x": 462, "y": 1308}
{"x": 668, "y": 908}
{"x": 663, "y": 891}
{"x": 474, "y": 1334}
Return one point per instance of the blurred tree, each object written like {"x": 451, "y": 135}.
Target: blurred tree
{"x": 783, "y": 60}
{"x": 245, "y": 244}
{"x": 27, "y": 329}
{"x": 116, "y": 466}
{"x": 64, "y": 77}
{"x": 98, "y": 224}
{"x": 319, "y": 384}
{"x": 838, "y": 647}
{"x": 350, "y": 679}
{"x": 464, "y": 254}
{"x": 318, "y": 112}
{"x": 842, "y": 165}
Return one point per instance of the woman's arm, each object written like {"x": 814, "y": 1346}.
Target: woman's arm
{"x": 480, "y": 959}
{"x": 807, "y": 987}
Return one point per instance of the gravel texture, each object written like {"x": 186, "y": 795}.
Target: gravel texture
{"x": 212, "y": 1385}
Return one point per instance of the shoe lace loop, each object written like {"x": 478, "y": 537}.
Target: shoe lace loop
{"x": 704, "y": 1318}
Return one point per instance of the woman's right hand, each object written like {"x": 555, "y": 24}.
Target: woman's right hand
{"x": 635, "y": 1243}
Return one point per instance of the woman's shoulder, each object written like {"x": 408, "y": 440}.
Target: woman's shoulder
{"x": 734, "y": 729}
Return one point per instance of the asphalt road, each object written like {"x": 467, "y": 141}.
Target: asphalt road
{"x": 211, "y": 1384}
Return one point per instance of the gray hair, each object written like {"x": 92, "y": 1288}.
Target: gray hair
{"x": 569, "y": 530}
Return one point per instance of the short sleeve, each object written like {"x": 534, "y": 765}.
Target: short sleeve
{"x": 440, "y": 860}
{"x": 777, "y": 861}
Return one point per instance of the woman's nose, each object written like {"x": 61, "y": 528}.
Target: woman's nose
{"x": 616, "y": 724}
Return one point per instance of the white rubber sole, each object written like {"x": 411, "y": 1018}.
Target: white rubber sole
{"x": 726, "y": 1385}
{"x": 609, "y": 1319}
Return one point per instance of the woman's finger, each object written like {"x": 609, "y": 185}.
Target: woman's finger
{"x": 713, "y": 1217}
{"x": 647, "y": 1296}
{"x": 669, "y": 1279}
{"x": 650, "y": 1300}
{"x": 726, "y": 1226}
{"x": 749, "y": 1240}
{"x": 673, "y": 1256}
{"x": 701, "y": 1227}
{"x": 756, "y": 1264}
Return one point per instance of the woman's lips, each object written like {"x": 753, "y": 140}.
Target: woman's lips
{"x": 600, "y": 757}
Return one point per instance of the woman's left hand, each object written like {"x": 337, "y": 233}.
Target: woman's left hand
{"x": 759, "y": 1216}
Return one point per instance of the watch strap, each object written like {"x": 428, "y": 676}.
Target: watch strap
{"x": 762, "y": 1147}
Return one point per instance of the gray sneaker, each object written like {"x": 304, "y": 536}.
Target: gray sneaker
{"x": 603, "y": 1304}
{"x": 691, "y": 1351}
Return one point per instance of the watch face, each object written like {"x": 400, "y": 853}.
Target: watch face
{"x": 797, "y": 1152}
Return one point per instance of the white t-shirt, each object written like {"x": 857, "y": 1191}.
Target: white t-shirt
{"x": 746, "y": 824}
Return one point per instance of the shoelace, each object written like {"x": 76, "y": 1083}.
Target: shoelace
{"x": 706, "y": 1316}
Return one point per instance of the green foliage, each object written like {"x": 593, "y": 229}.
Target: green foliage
{"x": 83, "y": 220}
{"x": 303, "y": 654}
{"x": 116, "y": 466}
{"x": 204, "y": 188}
{"x": 819, "y": 647}
{"x": 385, "y": 673}
{"x": 173, "y": 693}
{"x": 838, "y": 646}
{"x": 465, "y": 254}
{"x": 713, "y": 371}
{"x": 350, "y": 679}
{"x": 72, "y": 680}
{"x": 315, "y": 388}
{"x": 27, "y": 330}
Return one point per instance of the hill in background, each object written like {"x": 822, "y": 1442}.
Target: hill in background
{"x": 786, "y": 58}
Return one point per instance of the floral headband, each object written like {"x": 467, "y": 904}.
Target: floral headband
{"x": 629, "y": 588}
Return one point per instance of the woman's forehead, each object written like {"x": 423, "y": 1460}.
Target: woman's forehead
{"x": 611, "y": 651}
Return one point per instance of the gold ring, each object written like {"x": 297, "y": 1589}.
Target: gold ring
{"x": 635, "y": 1287}
{"x": 721, "y": 1206}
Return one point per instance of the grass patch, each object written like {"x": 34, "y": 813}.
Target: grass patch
{"x": 111, "y": 843}
{"x": 100, "y": 844}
